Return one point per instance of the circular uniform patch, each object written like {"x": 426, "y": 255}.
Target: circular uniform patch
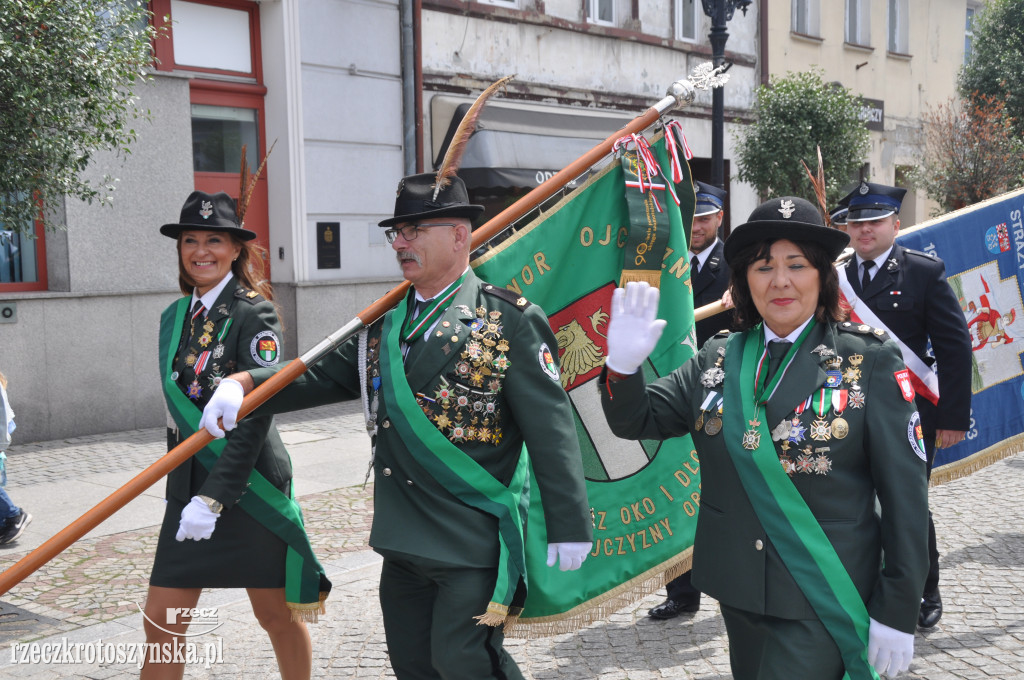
{"x": 916, "y": 436}
{"x": 547, "y": 362}
{"x": 265, "y": 348}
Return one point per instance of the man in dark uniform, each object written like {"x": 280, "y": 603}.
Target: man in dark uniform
{"x": 908, "y": 293}
{"x": 709, "y": 277}
{"x": 709, "y": 273}
{"x": 456, "y": 379}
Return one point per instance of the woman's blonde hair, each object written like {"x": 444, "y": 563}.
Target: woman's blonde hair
{"x": 3, "y": 380}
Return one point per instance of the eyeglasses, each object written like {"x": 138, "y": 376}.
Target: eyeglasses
{"x": 410, "y": 231}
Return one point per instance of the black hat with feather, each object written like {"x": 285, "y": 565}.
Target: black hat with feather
{"x": 442, "y": 194}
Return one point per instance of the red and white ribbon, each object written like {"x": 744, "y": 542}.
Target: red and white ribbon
{"x": 922, "y": 377}
{"x": 676, "y": 139}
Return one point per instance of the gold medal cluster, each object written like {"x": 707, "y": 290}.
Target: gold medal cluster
{"x": 812, "y": 459}
{"x": 464, "y": 406}
{"x": 216, "y": 373}
{"x": 791, "y": 433}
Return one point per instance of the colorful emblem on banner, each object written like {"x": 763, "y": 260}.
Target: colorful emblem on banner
{"x": 997, "y": 239}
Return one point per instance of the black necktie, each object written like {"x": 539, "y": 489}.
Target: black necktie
{"x": 866, "y": 279}
{"x": 694, "y": 265}
{"x": 776, "y": 353}
{"x": 197, "y": 309}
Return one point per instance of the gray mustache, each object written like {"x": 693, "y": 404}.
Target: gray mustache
{"x": 407, "y": 255}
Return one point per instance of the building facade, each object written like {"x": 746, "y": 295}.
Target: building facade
{"x": 351, "y": 95}
{"x": 901, "y": 57}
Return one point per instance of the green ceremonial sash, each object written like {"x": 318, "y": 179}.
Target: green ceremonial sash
{"x": 306, "y": 584}
{"x": 789, "y": 523}
{"x": 462, "y": 476}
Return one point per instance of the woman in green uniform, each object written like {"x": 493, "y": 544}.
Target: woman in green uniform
{"x": 231, "y": 519}
{"x": 800, "y": 421}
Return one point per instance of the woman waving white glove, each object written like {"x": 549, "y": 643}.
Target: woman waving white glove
{"x": 634, "y": 328}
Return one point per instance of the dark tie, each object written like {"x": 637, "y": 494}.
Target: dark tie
{"x": 866, "y": 279}
{"x": 197, "y": 309}
{"x": 694, "y": 265}
{"x": 776, "y": 353}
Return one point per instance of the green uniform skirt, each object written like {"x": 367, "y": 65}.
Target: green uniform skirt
{"x": 242, "y": 553}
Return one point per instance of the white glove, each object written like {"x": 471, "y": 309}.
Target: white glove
{"x": 197, "y": 521}
{"x": 889, "y": 650}
{"x": 224, "y": 403}
{"x": 570, "y": 556}
{"x": 634, "y": 328}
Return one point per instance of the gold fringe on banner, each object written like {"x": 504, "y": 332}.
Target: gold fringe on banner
{"x": 604, "y": 605}
{"x": 651, "y": 277}
{"x": 309, "y": 612}
{"x": 979, "y": 460}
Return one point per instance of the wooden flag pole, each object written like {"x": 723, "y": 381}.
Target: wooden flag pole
{"x": 680, "y": 93}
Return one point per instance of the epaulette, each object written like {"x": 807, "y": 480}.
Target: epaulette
{"x": 864, "y": 329}
{"x": 250, "y": 296}
{"x": 920, "y": 253}
{"x": 510, "y": 296}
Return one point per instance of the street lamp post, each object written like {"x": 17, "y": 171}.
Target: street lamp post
{"x": 720, "y": 12}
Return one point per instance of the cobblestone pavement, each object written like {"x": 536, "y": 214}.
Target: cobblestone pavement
{"x": 92, "y": 590}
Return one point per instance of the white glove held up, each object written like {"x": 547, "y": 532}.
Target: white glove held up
{"x": 197, "y": 521}
{"x": 224, "y": 403}
{"x": 634, "y": 328}
{"x": 570, "y": 556}
{"x": 889, "y": 650}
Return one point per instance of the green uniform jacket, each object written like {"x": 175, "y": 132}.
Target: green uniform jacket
{"x": 413, "y": 513}
{"x": 734, "y": 561}
{"x": 255, "y": 443}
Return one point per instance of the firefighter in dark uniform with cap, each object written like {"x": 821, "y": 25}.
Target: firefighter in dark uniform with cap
{"x": 709, "y": 278}
{"x": 907, "y": 291}
{"x": 455, "y": 379}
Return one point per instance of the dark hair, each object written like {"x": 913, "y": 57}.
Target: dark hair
{"x": 830, "y": 305}
{"x": 248, "y": 268}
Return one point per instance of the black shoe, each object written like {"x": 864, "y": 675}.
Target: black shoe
{"x": 931, "y": 610}
{"x": 670, "y": 609}
{"x": 14, "y": 526}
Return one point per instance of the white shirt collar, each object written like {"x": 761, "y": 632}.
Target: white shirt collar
{"x": 770, "y": 335}
{"x": 878, "y": 261}
{"x": 703, "y": 255}
{"x": 211, "y": 295}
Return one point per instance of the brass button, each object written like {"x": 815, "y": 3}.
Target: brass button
{"x": 455, "y": 338}
{"x": 386, "y": 423}
{"x": 387, "y": 472}
{"x": 759, "y": 544}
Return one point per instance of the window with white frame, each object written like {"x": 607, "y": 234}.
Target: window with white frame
{"x": 969, "y": 32}
{"x": 858, "y": 22}
{"x": 601, "y": 12}
{"x": 687, "y": 20}
{"x": 806, "y": 17}
{"x": 899, "y": 26}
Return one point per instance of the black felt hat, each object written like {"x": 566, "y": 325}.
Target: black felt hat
{"x": 208, "y": 212}
{"x": 416, "y": 201}
{"x": 789, "y": 217}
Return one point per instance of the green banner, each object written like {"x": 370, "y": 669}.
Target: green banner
{"x": 644, "y": 495}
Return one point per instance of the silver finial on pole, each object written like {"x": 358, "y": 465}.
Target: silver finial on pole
{"x": 682, "y": 92}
